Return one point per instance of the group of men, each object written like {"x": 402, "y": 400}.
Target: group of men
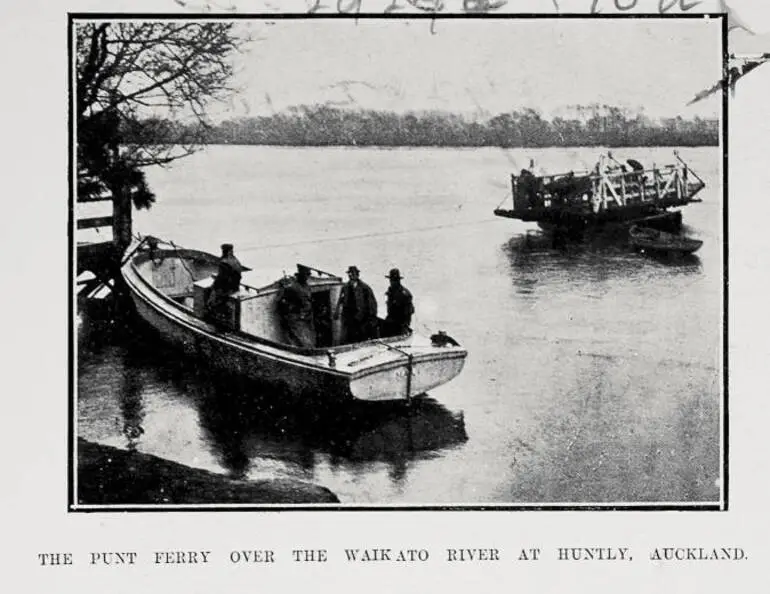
{"x": 356, "y": 307}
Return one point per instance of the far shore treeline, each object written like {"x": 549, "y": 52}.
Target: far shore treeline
{"x": 595, "y": 125}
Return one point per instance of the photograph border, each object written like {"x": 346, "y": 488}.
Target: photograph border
{"x": 74, "y": 507}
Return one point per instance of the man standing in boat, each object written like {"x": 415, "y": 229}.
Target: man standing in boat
{"x": 400, "y": 305}
{"x": 295, "y": 306}
{"x": 227, "y": 282}
{"x": 358, "y": 308}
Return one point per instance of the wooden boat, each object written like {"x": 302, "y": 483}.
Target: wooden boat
{"x": 610, "y": 193}
{"x": 169, "y": 287}
{"x": 654, "y": 240}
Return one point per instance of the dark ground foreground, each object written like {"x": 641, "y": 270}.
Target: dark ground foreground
{"x": 108, "y": 475}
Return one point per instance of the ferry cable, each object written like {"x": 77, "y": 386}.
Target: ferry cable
{"x": 368, "y": 235}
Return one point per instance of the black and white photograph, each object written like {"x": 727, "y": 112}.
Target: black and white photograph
{"x": 377, "y": 262}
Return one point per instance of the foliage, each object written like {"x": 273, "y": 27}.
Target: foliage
{"x": 594, "y": 125}
{"x": 148, "y": 71}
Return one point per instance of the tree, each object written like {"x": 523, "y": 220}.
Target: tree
{"x": 129, "y": 70}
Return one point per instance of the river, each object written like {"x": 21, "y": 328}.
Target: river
{"x": 594, "y": 373}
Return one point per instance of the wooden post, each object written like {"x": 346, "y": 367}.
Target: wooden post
{"x": 603, "y": 193}
{"x": 685, "y": 184}
{"x": 121, "y": 199}
{"x": 122, "y": 218}
{"x": 678, "y": 183}
{"x": 624, "y": 200}
{"x": 409, "y": 372}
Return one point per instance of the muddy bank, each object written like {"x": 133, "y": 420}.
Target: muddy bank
{"x": 108, "y": 475}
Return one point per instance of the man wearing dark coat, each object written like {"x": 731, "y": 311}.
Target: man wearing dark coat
{"x": 295, "y": 306}
{"x": 358, "y": 308}
{"x": 400, "y": 305}
{"x": 228, "y": 278}
{"x": 526, "y": 187}
{"x": 227, "y": 281}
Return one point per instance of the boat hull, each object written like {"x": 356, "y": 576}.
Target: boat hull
{"x": 652, "y": 240}
{"x": 424, "y": 374}
{"x": 577, "y": 222}
{"x": 378, "y": 370}
{"x": 607, "y": 194}
{"x": 227, "y": 357}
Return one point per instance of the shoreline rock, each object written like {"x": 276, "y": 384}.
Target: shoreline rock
{"x": 109, "y": 475}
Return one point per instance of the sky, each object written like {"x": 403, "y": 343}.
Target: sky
{"x": 479, "y": 66}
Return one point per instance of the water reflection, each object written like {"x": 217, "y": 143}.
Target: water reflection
{"x": 247, "y": 420}
{"x": 131, "y": 405}
{"x": 245, "y": 424}
{"x": 598, "y": 255}
{"x": 685, "y": 263}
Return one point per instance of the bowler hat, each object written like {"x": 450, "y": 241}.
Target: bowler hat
{"x": 353, "y": 269}
{"x": 227, "y": 247}
{"x": 394, "y": 273}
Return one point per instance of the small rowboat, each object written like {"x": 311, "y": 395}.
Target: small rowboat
{"x": 653, "y": 240}
{"x": 170, "y": 286}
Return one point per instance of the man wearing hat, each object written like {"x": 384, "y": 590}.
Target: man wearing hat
{"x": 229, "y": 274}
{"x": 295, "y": 305}
{"x": 358, "y": 308}
{"x": 227, "y": 281}
{"x": 400, "y": 305}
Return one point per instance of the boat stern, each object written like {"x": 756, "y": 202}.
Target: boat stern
{"x": 405, "y": 371}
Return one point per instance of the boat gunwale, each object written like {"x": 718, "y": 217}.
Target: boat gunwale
{"x": 250, "y": 343}
{"x": 314, "y": 364}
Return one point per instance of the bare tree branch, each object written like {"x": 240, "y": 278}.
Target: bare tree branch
{"x": 139, "y": 70}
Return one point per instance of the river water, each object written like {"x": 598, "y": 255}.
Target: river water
{"x": 594, "y": 373}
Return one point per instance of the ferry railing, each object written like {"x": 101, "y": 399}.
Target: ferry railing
{"x": 667, "y": 186}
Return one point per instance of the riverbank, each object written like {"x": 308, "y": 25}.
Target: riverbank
{"x": 324, "y": 126}
{"x": 108, "y": 475}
